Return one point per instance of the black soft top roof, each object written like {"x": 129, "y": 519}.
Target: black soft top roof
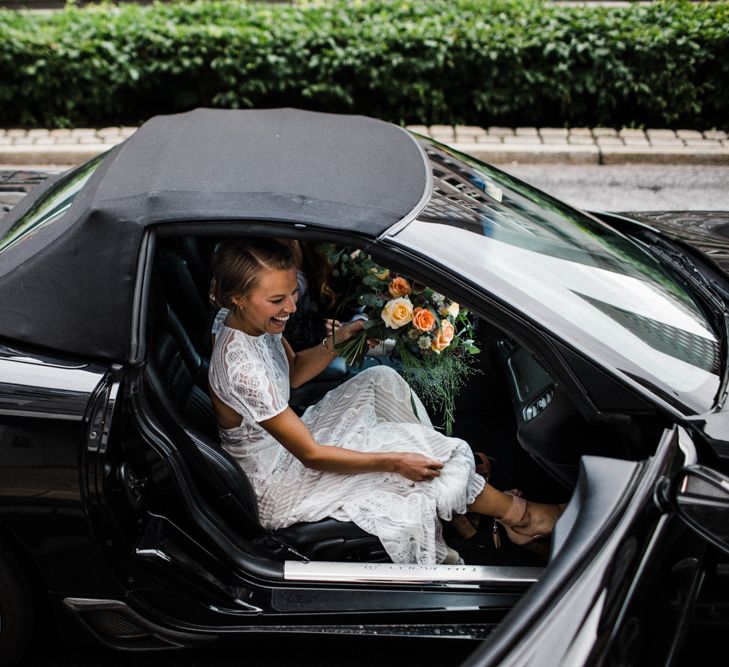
{"x": 70, "y": 285}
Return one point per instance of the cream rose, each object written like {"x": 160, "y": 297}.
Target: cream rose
{"x": 443, "y": 337}
{"x": 397, "y": 312}
{"x": 450, "y": 310}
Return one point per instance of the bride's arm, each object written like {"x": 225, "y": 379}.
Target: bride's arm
{"x": 293, "y": 434}
{"x": 307, "y": 364}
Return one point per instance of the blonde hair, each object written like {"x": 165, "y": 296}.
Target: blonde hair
{"x": 238, "y": 263}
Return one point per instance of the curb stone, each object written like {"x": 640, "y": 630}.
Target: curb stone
{"x": 498, "y": 145}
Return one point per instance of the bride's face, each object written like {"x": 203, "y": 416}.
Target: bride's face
{"x": 267, "y": 307}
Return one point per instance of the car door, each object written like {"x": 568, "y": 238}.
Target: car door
{"x": 624, "y": 573}
{"x": 54, "y": 414}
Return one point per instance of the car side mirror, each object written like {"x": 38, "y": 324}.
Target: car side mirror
{"x": 701, "y": 498}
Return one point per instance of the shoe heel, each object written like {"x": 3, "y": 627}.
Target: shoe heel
{"x": 463, "y": 526}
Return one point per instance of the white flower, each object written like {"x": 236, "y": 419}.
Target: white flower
{"x": 424, "y": 342}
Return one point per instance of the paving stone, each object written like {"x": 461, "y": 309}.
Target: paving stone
{"x": 488, "y": 139}
{"x": 580, "y": 139}
{"x": 666, "y": 141}
{"x": 5, "y": 141}
{"x": 469, "y": 133}
{"x": 112, "y": 141}
{"x": 628, "y": 132}
{"x": 689, "y": 134}
{"x": 60, "y": 132}
{"x": 37, "y": 133}
{"x": 526, "y": 132}
{"x": 526, "y": 140}
{"x": 108, "y": 132}
{"x": 501, "y": 131}
{"x": 555, "y": 140}
{"x": 43, "y": 141}
{"x": 16, "y": 133}
{"x": 66, "y": 140}
{"x": 703, "y": 143}
{"x": 83, "y": 132}
{"x": 636, "y": 140}
{"x": 580, "y": 132}
{"x": 604, "y": 132}
{"x": 553, "y": 131}
{"x": 22, "y": 140}
{"x": 129, "y": 131}
{"x": 47, "y": 155}
{"x": 609, "y": 141}
{"x": 3, "y": 132}
{"x": 442, "y": 132}
{"x": 715, "y": 134}
{"x": 660, "y": 134}
{"x": 90, "y": 140}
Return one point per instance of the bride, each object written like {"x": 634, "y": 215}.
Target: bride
{"x": 366, "y": 452}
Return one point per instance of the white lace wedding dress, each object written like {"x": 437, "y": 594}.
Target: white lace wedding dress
{"x": 372, "y": 412}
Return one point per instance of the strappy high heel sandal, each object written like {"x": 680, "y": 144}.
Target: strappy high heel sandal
{"x": 513, "y": 517}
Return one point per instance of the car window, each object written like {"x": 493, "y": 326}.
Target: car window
{"x": 51, "y": 206}
{"x": 601, "y": 282}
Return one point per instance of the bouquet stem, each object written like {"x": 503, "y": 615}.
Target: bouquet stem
{"x": 353, "y": 350}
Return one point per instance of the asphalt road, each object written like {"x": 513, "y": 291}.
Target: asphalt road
{"x": 631, "y": 187}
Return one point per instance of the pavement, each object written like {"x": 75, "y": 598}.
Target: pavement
{"x": 496, "y": 145}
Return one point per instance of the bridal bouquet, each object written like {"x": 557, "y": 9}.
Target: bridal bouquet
{"x": 432, "y": 334}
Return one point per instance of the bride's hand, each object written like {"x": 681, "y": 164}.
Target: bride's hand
{"x": 417, "y": 467}
{"x": 331, "y": 324}
{"x": 346, "y": 331}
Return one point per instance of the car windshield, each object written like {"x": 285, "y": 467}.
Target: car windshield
{"x": 578, "y": 276}
{"x": 51, "y": 206}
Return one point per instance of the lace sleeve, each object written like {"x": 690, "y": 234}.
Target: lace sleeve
{"x": 251, "y": 386}
{"x": 218, "y": 321}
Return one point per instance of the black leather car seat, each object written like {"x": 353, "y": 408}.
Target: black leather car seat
{"x": 187, "y": 297}
{"x": 177, "y": 375}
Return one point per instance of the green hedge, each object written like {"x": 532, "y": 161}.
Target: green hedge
{"x": 500, "y": 62}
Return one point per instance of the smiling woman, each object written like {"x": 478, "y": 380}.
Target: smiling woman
{"x": 396, "y": 477}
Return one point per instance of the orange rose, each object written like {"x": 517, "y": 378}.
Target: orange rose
{"x": 443, "y": 337}
{"x": 423, "y": 319}
{"x": 399, "y": 287}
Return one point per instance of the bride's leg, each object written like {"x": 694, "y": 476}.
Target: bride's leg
{"x": 536, "y": 518}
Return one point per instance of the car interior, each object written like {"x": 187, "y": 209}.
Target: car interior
{"x": 527, "y": 418}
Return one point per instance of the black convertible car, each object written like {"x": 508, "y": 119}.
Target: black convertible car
{"x": 602, "y": 382}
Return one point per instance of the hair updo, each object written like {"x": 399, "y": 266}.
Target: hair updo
{"x": 238, "y": 263}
